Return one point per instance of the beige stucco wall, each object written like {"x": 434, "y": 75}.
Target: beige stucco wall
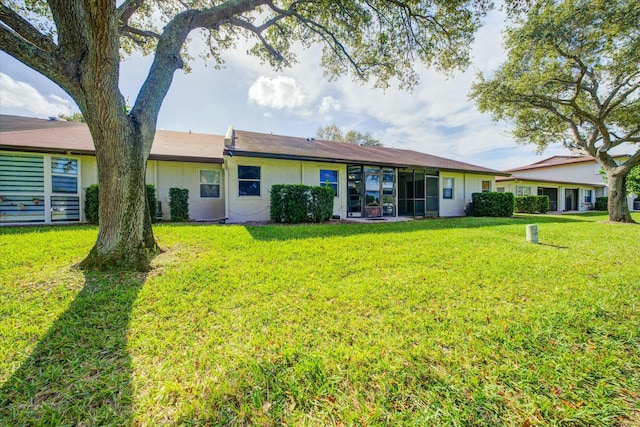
{"x": 588, "y": 173}
{"x": 165, "y": 175}
{"x": 465, "y": 184}
{"x": 276, "y": 171}
{"x": 582, "y": 206}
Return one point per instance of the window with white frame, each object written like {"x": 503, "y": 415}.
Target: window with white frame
{"x": 329, "y": 178}
{"x": 447, "y": 188}
{"x": 248, "y": 180}
{"x": 500, "y": 189}
{"x": 22, "y": 183}
{"x": 64, "y": 175}
{"x": 23, "y": 179}
{"x": 209, "y": 183}
{"x": 65, "y": 201}
{"x": 486, "y": 186}
{"x": 588, "y": 196}
{"x": 522, "y": 190}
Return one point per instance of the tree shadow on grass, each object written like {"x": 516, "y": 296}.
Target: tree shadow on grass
{"x": 80, "y": 371}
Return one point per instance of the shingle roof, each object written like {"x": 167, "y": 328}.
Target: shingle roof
{"x": 287, "y": 147}
{"x": 60, "y": 136}
{"x": 558, "y": 161}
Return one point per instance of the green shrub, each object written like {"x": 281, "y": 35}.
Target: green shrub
{"x": 152, "y": 202}
{"x": 321, "y": 203}
{"x": 544, "y": 204}
{"x": 602, "y": 203}
{"x": 179, "y": 204}
{"x": 297, "y": 203}
{"x": 91, "y": 204}
{"x": 492, "y": 204}
{"x": 532, "y": 204}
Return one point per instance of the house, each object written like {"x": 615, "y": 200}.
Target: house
{"x": 45, "y": 165}
{"x": 571, "y": 182}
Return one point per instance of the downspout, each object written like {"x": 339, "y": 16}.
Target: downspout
{"x": 464, "y": 192}
{"x": 229, "y": 144}
{"x": 155, "y": 182}
{"x": 225, "y": 168}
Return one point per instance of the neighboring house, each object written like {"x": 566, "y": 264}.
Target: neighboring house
{"x": 45, "y": 165}
{"x": 571, "y": 182}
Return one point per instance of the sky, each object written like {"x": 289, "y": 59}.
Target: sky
{"x": 436, "y": 117}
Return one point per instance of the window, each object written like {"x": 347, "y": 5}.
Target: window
{"x": 65, "y": 208}
{"x": 64, "y": 175}
{"x": 248, "y": 180}
{"x": 486, "y": 186}
{"x": 588, "y": 196}
{"x": 523, "y": 191}
{"x": 500, "y": 189}
{"x": 64, "y": 180}
{"x": 209, "y": 184}
{"x": 329, "y": 178}
{"x": 447, "y": 188}
{"x": 22, "y": 188}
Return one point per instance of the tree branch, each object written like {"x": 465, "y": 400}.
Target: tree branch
{"x": 326, "y": 35}
{"x": 71, "y": 24}
{"x": 612, "y": 103}
{"x": 24, "y": 29}
{"x": 167, "y": 59}
{"x": 44, "y": 62}
{"x": 127, "y": 9}
{"x": 257, "y": 31}
{"x": 126, "y": 30}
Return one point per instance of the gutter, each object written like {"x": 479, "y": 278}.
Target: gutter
{"x": 232, "y": 152}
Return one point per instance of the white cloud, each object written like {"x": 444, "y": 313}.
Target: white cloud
{"x": 328, "y": 104}
{"x": 17, "y": 95}
{"x": 278, "y": 92}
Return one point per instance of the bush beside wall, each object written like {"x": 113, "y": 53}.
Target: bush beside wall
{"x": 179, "y": 204}
{"x": 152, "y": 202}
{"x": 602, "y": 203}
{"x": 297, "y": 203}
{"x": 532, "y": 204}
{"x": 92, "y": 203}
{"x": 492, "y": 204}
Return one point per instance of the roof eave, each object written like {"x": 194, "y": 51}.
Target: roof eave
{"x": 262, "y": 155}
{"x": 48, "y": 150}
{"x": 522, "y": 179}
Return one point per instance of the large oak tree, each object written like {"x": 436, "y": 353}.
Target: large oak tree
{"x": 79, "y": 45}
{"x": 572, "y": 77}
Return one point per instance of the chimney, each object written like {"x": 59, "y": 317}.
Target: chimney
{"x": 229, "y": 137}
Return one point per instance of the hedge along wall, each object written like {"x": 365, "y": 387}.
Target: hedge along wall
{"x": 179, "y": 204}
{"x": 92, "y": 202}
{"x": 297, "y": 203}
{"x": 492, "y": 204}
{"x": 602, "y": 203}
{"x": 532, "y": 204}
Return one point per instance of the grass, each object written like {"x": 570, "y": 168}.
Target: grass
{"x": 446, "y": 322}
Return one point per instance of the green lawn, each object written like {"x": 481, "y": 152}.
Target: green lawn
{"x": 448, "y": 322}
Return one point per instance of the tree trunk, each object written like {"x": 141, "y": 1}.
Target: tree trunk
{"x": 618, "y": 207}
{"x": 125, "y": 240}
